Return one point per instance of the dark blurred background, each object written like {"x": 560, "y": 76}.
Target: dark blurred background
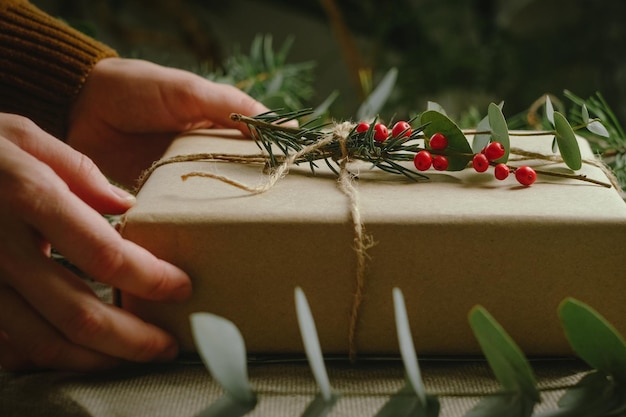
{"x": 460, "y": 53}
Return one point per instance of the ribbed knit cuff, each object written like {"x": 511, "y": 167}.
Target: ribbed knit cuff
{"x": 43, "y": 64}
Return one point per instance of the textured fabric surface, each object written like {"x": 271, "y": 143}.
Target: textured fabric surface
{"x": 43, "y": 64}
{"x": 284, "y": 388}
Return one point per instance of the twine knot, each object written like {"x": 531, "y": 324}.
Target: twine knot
{"x": 339, "y": 132}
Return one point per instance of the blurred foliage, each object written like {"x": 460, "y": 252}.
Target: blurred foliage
{"x": 265, "y": 74}
{"x": 462, "y": 54}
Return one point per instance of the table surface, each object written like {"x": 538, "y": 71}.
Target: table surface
{"x": 284, "y": 388}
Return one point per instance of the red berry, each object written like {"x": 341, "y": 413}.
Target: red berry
{"x": 440, "y": 162}
{"x": 381, "y": 133}
{"x": 362, "y": 127}
{"x": 438, "y": 141}
{"x": 525, "y": 175}
{"x": 423, "y": 160}
{"x": 501, "y": 171}
{"x": 494, "y": 151}
{"x": 400, "y": 127}
{"x": 480, "y": 162}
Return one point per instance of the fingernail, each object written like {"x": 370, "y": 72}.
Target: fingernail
{"x": 123, "y": 195}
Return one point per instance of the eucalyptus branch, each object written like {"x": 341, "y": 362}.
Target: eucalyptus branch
{"x": 339, "y": 142}
{"x": 578, "y": 177}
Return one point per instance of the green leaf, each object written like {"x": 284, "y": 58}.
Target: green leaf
{"x": 482, "y": 139}
{"x": 566, "y": 139}
{"x": 324, "y": 106}
{"x": 549, "y": 110}
{"x": 598, "y": 128}
{"x": 594, "y": 339}
{"x": 407, "y": 348}
{"x": 312, "y": 345}
{"x": 459, "y": 150}
{"x": 434, "y": 106}
{"x": 499, "y": 130}
{"x": 584, "y": 113}
{"x": 594, "y": 395}
{"x": 223, "y": 352}
{"x": 498, "y": 405}
{"x": 505, "y": 358}
{"x": 377, "y": 99}
{"x": 405, "y": 403}
{"x": 227, "y": 406}
{"x": 320, "y": 406}
{"x": 555, "y": 145}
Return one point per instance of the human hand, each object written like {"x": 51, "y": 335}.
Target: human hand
{"x": 128, "y": 112}
{"x": 49, "y": 318}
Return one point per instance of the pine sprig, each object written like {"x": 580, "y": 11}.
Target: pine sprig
{"x": 280, "y": 136}
{"x": 274, "y": 129}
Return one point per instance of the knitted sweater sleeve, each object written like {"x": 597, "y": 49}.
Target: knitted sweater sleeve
{"x": 43, "y": 64}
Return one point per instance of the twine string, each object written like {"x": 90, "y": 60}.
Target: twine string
{"x": 345, "y": 181}
{"x": 362, "y": 240}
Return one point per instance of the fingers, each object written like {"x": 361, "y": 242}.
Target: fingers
{"x": 69, "y": 306}
{"x": 53, "y": 319}
{"x": 78, "y": 171}
{"x": 89, "y": 241}
{"x": 10, "y": 358}
{"x": 35, "y": 344}
{"x": 216, "y": 102}
{"x": 81, "y": 234}
{"x": 48, "y": 316}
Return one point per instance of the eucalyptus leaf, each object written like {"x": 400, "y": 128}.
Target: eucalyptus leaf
{"x": 499, "y": 130}
{"x": 584, "y": 113}
{"x": 568, "y": 145}
{"x": 549, "y": 110}
{"x": 407, "y": 348}
{"x": 320, "y": 406}
{"x": 505, "y": 358}
{"x": 405, "y": 403}
{"x": 481, "y": 139}
{"x": 555, "y": 145}
{"x": 502, "y": 404}
{"x": 223, "y": 352}
{"x": 434, "y": 106}
{"x": 595, "y": 395}
{"x": 594, "y": 339}
{"x": 312, "y": 345}
{"x": 324, "y": 106}
{"x": 377, "y": 99}
{"x": 459, "y": 150}
{"x": 598, "y": 128}
{"x": 227, "y": 406}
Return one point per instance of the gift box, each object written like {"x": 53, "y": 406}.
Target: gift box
{"x": 460, "y": 239}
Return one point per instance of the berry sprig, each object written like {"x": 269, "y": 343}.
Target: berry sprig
{"x": 435, "y": 143}
{"x": 481, "y": 162}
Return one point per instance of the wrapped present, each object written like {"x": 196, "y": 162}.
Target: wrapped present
{"x": 457, "y": 240}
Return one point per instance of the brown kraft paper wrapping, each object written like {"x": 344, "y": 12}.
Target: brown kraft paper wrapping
{"x": 461, "y": 239}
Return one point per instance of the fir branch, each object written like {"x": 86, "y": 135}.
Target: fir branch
{"x": 271, "y": 129}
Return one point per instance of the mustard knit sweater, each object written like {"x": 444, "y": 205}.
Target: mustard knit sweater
{"x": 43, "y": 64}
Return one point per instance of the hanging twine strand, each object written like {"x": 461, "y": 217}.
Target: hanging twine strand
{"x": 339, "y": 133}
{"x": 362, "y": 241}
